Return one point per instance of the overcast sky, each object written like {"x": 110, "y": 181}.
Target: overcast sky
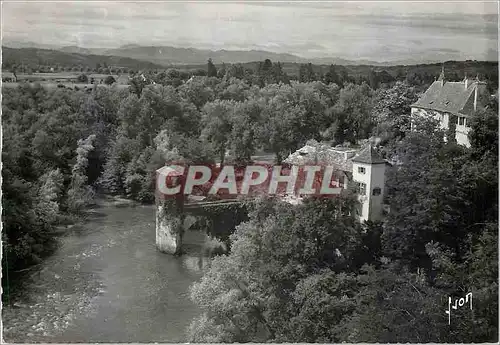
{"x": 382, "y": 31}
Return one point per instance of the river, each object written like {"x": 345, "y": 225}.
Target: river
{"x": 108, "y": 283}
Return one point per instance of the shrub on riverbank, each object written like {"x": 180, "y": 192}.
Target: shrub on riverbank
{"x": 213, "y": 247}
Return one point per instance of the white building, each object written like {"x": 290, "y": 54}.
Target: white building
{"x": 364, "y": 167}
{"x": 451, "y": 102}
{"x": 368, "y": 172}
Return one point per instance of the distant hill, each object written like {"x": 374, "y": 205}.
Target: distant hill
{"x": 169, "y": 55}
{"x": 166, "y": 55}
{"x": 45, "y": 57}
{"x": 26, "y": 44}
{"x": 80, "y": 50}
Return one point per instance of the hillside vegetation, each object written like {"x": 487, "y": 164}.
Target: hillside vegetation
{"x": 311, "y": 273}
{"x": 42, "y": 60}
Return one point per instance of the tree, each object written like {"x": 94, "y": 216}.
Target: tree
{"x": 392, "y": 113}
{"x": 139, "y": 180}
{"x": 197, "y": 91}
{"x": 476, "y": 274}
{"x": 277, "y": 130}
{"x": 235, "y": 71}
{"x": 269, "y": 73}
{"x": 51, "y": 191}
{"x": 393, "y": 305}
{"x": 171, "y": 77}
{"x": 331, "y": 76}
{"x": 373, "y": 79}
{"x": 306, "y": 73}
{"x": 417, "y": 152}
{"x": 82, "y": 78}
{"x": 385, "y": 78}
{"x": 245, "y": 119}
{"x": 438, "y": 194}
{"x": 172, "y": 146}
{"x": 122, "y": 152}
{"x": 233, "y": 89}
{"x": 262, "y": 290}
{"x": 137, "y": 84}
{"x": 211, "y": 69}
{"x": 79, "y": 193}
{"x": 199, "y": 72}
{"x": 351, "y": 115}
{"x": 483, "y": 135}
{"x": 109, "y": 80}
{"x": 216, "y": 124}
{"x": 14, "y": 70}
{"x": 222, "y": 71}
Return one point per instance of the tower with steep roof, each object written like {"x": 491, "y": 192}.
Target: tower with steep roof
{"x": 368, "y": 172}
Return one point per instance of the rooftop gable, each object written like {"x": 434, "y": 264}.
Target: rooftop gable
{"x": 368, "y": 155}
{"x": 450, "y": 97}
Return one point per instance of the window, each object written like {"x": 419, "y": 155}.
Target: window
{"x": 376, "y": 191}
{"x": 465, "y": 122}
{"x": 361, "y": 170}
{"x": 461, "y": 121}
{"x": 361, "y": 188}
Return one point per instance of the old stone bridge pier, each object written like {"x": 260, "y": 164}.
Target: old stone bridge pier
{"x": 175, "y": 216}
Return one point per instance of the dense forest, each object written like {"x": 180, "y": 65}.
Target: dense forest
{"x": 311, "y": 273}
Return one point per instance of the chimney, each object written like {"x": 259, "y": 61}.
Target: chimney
{"x": 480, "y": 89}
{"x": 466, "y": 81}
{"x": 441, "y": 76}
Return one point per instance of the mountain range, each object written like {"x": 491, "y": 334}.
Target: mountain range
{"x": 169, "y": 56}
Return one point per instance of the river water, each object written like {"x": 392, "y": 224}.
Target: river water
{"x": 108, "y": 283}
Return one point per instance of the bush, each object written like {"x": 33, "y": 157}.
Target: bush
{"x": 109, "y": 80}
{"x": 82, "y": 78}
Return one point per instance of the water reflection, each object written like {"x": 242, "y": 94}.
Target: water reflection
{"x": 196, "y": 264}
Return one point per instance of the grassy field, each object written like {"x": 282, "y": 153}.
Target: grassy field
{"x": 68, "y": 79}
{"x": 64, "y": 76}
{"x": 81, "y": 86}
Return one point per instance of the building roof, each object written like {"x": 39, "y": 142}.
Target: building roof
{"x": 340, "y": 158}
{"x": 174, "y": 170}
{"x": 322, "y": 155}
{"x": 450, "y": 97}
{"x": 368, "y": 155}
